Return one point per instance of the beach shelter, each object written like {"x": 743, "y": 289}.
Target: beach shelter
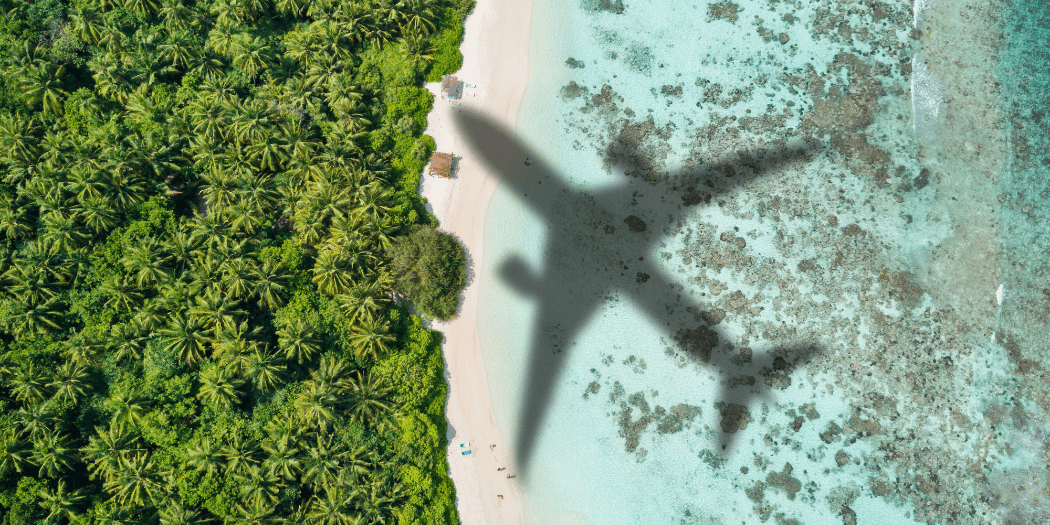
{"x": 441, "y": 164}
{"x": 451, "y": 87}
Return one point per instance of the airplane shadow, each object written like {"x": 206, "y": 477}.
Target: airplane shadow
{"x": 598, "y": 248}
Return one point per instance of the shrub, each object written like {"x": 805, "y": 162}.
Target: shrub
{"x": 447, "y": 58}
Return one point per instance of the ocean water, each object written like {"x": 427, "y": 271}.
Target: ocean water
{"x": 789, "y": 264}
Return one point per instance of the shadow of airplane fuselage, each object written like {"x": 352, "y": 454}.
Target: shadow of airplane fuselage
{"x": 599, "y": 246}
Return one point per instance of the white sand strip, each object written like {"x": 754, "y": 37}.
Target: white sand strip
{"x": 495, "y": 65}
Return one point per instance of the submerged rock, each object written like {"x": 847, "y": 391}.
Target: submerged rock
{"x": 723, "y": 11}
{"x": 734, "y": 417}
{"x": 783, "y": 481}
{"x": 635, "y": 223}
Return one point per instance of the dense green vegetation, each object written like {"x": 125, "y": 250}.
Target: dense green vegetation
{"x": 199, "y": 204}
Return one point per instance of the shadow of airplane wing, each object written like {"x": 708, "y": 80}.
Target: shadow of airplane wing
{"x": 563, "y": 309}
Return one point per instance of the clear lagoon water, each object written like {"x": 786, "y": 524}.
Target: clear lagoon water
{"x": 853, "y": 333}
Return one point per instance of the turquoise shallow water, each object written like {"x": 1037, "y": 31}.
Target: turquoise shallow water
{"x": 831, "y": 317}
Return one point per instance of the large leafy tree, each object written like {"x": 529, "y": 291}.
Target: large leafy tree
{"x": 431, "y": 270}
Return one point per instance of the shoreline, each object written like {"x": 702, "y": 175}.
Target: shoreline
{"x": 495, "y": 64}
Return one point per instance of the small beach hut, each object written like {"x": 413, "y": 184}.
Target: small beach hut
{"x": 441, "y": 164}
{"x": 451, "y": 87}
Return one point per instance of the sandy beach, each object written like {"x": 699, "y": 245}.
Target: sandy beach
{"x": 495, "y": 71}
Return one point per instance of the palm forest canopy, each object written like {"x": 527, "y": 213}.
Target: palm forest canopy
{"x": 202, "y": 205}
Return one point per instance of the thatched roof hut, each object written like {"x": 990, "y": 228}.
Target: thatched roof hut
{"x": 441, "y": 164}
{"x": 451, "y": 87}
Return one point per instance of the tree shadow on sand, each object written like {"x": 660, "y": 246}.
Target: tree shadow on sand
{"x": 597, "y": 248}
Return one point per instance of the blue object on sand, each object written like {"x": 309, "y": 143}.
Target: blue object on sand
{"x": 466, "y": 453}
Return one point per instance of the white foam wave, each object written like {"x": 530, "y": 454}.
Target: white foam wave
{"x": 926, "y": 96}
{"x": 917, "y": 9}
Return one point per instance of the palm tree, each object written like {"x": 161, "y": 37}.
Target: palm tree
{"x": 87, "y": 24}
{"x": 269, "y": 279}
{"x": 15, "y": 455}
{"x": 417, "y": 17}
{"x": 147, "y": 263}
{"x": 373, "y": 200}
{"x": 97, "y": 213}
{"x": 42, "y": 86}
{"x": 371, "y": 339}
{"x": 37, "y": 318}
{"x": 18, "y": 145}
{"x": 127, "y": 341}
{"x": 145, "y": 9}
{"x": 331, "y": 272}
{"x": 263, "y": 369}
{"x": 112, "y": 80}
{"x": 184, "y": 246}
{"x": 316, "y": 405}
{"x": 416, "y": 47}
{"x": 256, "y": 512}
{"x": 121, "y": 295}
{"x": 207, "y": 66}
{"x": 219, "y": 387}
{"x": 127, "y": 408}
{"x": 380, "y": 230}
{"x": 293, "y": 9}
{"x": 70, "y": 382}
{"x": 323, "y": 462}
{"x": 240, "y": 455}
{"x": 176, "y": 513}
{"x": 186, "y": 337}
{"x": 61, "y": 503}
{"x": 221, "y": 39}
{"x": 365, "y": 300}
{"x": 216, "y": 312}
{"x": 107, "y": 448}
{"x": 376, "y": 503}
{"x": 250, "y": 54}
{"x": 333, "y": 508}
{"x": 298, "y": 340}
{"x": 136, "y": 482}
{"x": 258, "y": 486}
{"x": 62, "y": 232}
{"x": 14, "y": 221}
{"x": 81, "y": 351}
{"x": 268, "y": 154}
{"x": 359, "y": 460}
{"x": 53, "y": 454}
{"x": 369, "y": 399}
{"x": 30, "y": 385}
{"x": 35, "y": 420}
{"x": 205, "y": 456}
{"x": 124, "y": 189}
{"x": 252, "y": 120}
{"x": 236, "y": 276}
{"x": 282, "y": 457}
{"x": 332, "y": 373}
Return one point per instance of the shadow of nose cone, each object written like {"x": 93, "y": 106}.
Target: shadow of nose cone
{"x": 490, "y": 139}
